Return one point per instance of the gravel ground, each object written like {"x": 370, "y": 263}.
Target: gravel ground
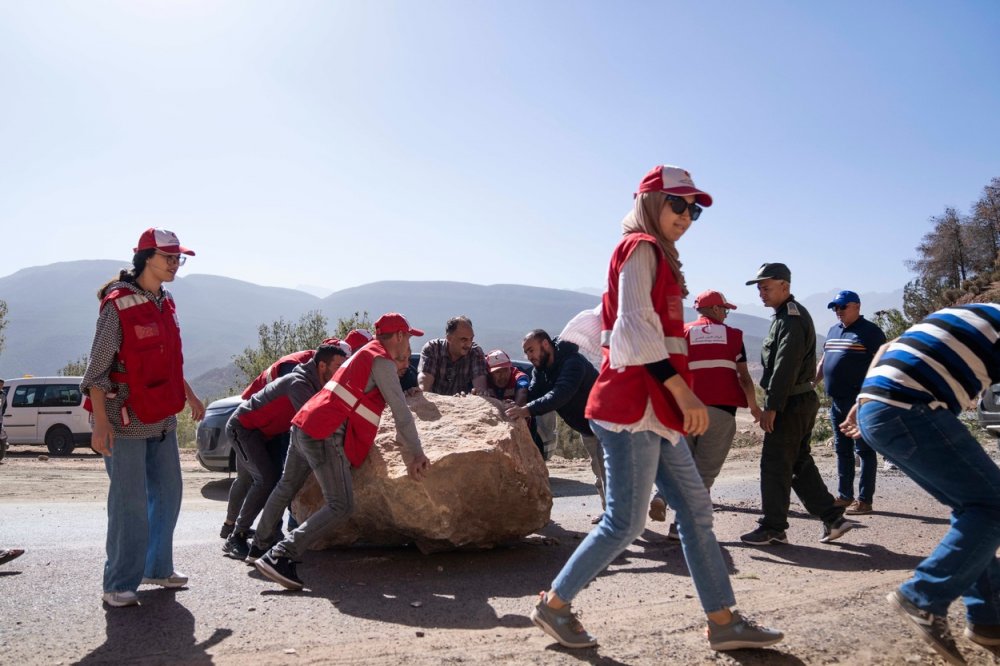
{"x": 387, "y": 606}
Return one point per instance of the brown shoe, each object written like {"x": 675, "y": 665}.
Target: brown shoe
{"x": 840, "y": 501}
{"x": 658, "y": 509}
{"x": 858, "y": 507}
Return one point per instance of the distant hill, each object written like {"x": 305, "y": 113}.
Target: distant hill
{"x": 52, "y": 310}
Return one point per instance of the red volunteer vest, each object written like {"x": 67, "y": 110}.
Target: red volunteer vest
{"x": 712, "y": 352}
{"x": 272, "y": 418}
{"x": 344, "y": 399}
{"x": 151, "y": 355}
{"x": 269, "y": 375}
{"x": 510, "y": 390}
{"x": 619, "y": 395}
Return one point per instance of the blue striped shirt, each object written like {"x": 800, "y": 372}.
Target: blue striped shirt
{"x": 944, "y": 361}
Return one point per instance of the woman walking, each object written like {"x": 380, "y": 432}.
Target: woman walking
{"x": 640, "y": 408}
{"x": 135, "y": 387}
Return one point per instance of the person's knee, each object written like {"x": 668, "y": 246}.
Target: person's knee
{"x": 342, "y": 504}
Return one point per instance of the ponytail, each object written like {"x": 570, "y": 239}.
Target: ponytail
{"x": 129, "y": 275}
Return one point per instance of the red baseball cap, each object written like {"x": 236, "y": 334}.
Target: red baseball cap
{"x": 708, "y": 298}
{"x": 673, "y": 180}
{"x": 393, "y": 322}
{"x": 162, "y": 240}
{"x": 498, "y": 360}
{"x": 334, "y": 342}
{"x": 358, "y": 338}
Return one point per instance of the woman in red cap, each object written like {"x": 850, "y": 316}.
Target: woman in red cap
{"x": 640, "y": 408}
{"x": 135, "y": 387}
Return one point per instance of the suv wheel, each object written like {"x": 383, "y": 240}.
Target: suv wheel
{"x": 59, "y": 440}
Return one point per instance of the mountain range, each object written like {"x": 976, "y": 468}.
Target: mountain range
{"x": 53, "y": 308}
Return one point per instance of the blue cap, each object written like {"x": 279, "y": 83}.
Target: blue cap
{"x": 843, "y": 298}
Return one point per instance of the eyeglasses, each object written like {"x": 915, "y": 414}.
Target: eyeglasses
{"x": 179, "y": 259}
{"x": 841, "y": 308}
{"x": 679, "y": 205}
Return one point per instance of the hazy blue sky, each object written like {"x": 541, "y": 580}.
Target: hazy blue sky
{"x": 333, "y": 144}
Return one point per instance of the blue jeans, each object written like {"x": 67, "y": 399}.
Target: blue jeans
{"x": 845, "y": 448}
{"x": 144, "y": 501}
{"x": 326, "y": 459}
{"x": 937, "y": 451}
{"x": 632, "y": 461}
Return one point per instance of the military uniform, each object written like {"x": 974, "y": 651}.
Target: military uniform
{"x": 789, "y": 359}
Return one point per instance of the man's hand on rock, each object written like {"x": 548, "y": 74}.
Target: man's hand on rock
{"x": 417, "y": 468}
{"x": 518, "y": 412}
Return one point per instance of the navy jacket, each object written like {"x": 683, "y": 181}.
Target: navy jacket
{"x": 563, "y": 387}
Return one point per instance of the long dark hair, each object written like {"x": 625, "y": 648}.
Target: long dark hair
{"x": 128, "y": 275}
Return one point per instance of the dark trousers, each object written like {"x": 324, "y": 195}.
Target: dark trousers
{"x": 786, "y": 464}
{"x": 263, "y": 459}
{"x": 846, "y": 448}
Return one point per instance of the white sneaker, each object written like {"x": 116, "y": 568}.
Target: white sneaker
{"x": 120, "y": 599}
{"x": 173, "y": 580}
{"x": 888, "y": 465}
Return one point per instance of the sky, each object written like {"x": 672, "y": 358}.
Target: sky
{"x": 334, "y": 144}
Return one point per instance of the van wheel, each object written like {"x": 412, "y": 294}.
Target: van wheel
{"x": 59, "y": 440}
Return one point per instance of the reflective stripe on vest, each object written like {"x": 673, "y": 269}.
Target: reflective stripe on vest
{"x": 124, "y": 302}
{"x": 701, "y": 365}
{"x": 673, "y": 345}
{"x": 348, "y": 397}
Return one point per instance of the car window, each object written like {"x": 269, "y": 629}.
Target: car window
{"x": 27, "y": 396}
{"x": 62, "y": 395}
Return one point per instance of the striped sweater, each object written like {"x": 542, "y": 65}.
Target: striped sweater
{"x": 944, "y": 361}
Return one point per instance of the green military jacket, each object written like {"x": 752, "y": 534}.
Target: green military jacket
{"x": 788, "y": 355}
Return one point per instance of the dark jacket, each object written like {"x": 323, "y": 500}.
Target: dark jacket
{"x": 788, "y": 355}
{"x": 563, "y": 387}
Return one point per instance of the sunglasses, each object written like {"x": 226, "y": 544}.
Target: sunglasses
{"x": 841, "y": 308}
{"x": 179, "y": 259}
{"x": 679, "y": 205}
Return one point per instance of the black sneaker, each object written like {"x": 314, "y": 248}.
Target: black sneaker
{"x": 933, "y": 628}
{"x": 255, "y": 553}
{"x": 226, "y": 530}
{"x": 764, "y": 536}
{"x": 236, "y": 546}
{"x": 279, "y": 569}
{"x": 836, "y": 529}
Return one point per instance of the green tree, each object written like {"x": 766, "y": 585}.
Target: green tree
{"x": 3, "y": 324}
{"x": 923, "y": 296}
{"x": 278, "y": 339}
{"x": 347, "y": 324}
{"x": 75, "y": 368}
{"x": 892, "y": 322}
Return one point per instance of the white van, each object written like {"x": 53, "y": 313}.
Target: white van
{"x": 46, "y": 410}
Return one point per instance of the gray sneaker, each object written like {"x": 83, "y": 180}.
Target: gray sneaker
{"x": 741, "y": 633}
{"x": 836, "y": 529}
{"x": 561, "y": 624}
{"x": 933, "y": 628}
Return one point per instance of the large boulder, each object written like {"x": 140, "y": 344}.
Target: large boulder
{"x": 487, "y": 482}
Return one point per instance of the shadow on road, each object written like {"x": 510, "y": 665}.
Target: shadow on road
{"x": 217, "y": 490}
{"x": 794, "y": 513}
{"x": 451, "y": 590}
{"x": 838, "y": 556}
{"x": 29, "y": 451}
{"x": 162, "y": 631}
{"x": 570, "y": 487}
